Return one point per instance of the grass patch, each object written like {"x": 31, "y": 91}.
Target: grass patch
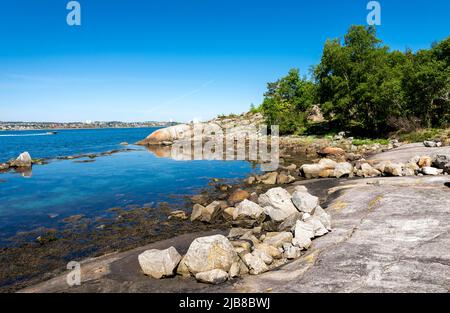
{"x": 361, "y": 142}
{"x": 426, "y": 134}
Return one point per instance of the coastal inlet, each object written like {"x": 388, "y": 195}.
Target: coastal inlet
{"x": 89, "y": 186}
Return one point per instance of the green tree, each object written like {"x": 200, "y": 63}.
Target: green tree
{"x": 427, "y": 84}
{"x": 287, "y": 101}
{"x": 359, "y": 82}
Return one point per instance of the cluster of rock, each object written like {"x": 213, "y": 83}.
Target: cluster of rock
{"x": 432, "y": 144}
{"x": 274, "y": 228}
{"x": 274, "y": 178}
{"x": 22, "y": 161}
{"x": 424, "y": 165}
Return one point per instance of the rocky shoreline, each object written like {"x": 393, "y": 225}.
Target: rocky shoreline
{"x": 266, "y": 221}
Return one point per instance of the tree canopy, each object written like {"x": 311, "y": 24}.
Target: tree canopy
{"x": 360, "y": 83}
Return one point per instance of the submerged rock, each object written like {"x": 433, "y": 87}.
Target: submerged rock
{"x": 159, "y": 263}
{"x": 23, "y": 160}
{"x": 178, "y": 214}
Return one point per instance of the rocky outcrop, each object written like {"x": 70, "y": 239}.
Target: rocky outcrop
{"x": 159, "y": 263}
{"x": 23, "y": 161}
{"x": 244, "y": 124}
{"x": 168, "y": 134}
{"x": 214, "y": 259}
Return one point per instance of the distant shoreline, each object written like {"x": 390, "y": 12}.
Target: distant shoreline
{"x": 82, "y": 128}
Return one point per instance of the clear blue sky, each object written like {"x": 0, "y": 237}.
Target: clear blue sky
{"x": 140, "y": 60}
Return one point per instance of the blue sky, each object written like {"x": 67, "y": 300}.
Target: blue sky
{"x": 141, "y": 60}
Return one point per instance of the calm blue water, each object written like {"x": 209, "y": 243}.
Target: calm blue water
{"x": 63, "y": 187}
{"x": 66, "y": 142}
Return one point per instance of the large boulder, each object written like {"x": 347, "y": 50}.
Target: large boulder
{"x": 277, "y": 204}
{"x": 248, "y": 210}
{"x": 304, "y": 201}
{"x": 209, "y": 253}
{"x": 368, "y": 171}
{"x": 442, "y": 161}
{"x": 159, "y": 263}
{"x": 327, "y": 164}
{"x": 343, "y": 169}
{"x": 425, "y": 161}
{"x": 168, "y": 134}
{"x": 331, "y": 151}
{"x": 23, "y": 160}
{"x": 393, "y": 169}
{"x": 215, "y": 276}
{"x": 311, "y": 170}
{"x": 432, "y": 144}
{"x": 432, "y": 171}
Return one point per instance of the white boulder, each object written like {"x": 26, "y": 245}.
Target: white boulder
{"x": 277, "y": 204}
{"x": 159, "y": 263}
{"x": 208, "y": 253}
